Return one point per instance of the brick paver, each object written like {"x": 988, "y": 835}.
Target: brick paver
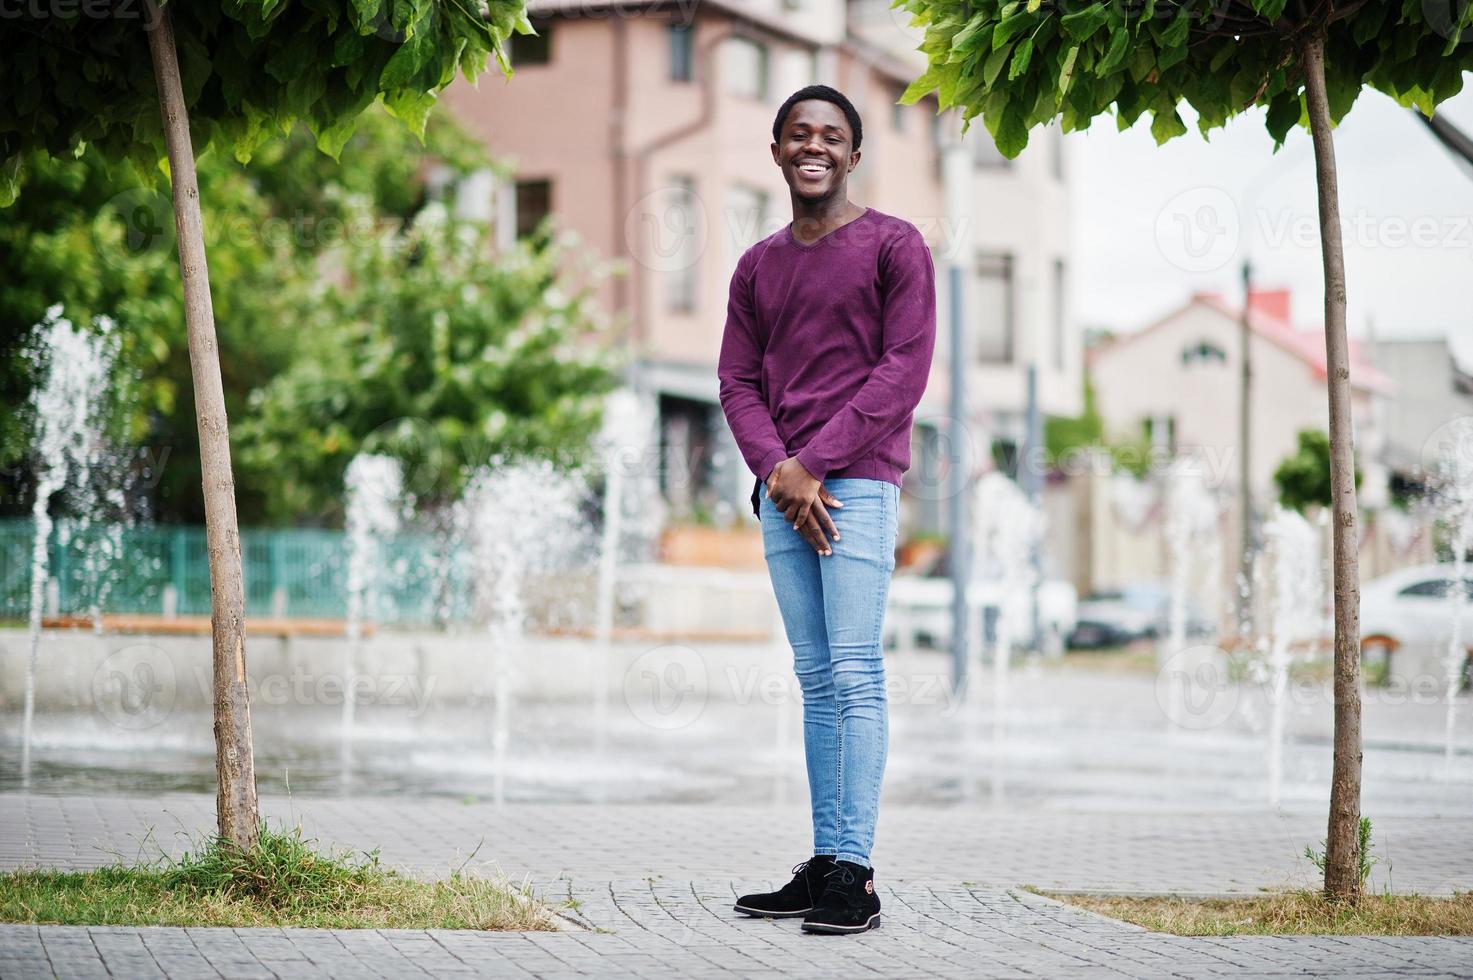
{"x": 652, "y": 888}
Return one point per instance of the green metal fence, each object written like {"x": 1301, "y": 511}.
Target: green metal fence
{"x": 159, "y": 569}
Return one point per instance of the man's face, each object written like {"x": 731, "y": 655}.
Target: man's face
{"x": 815, "y": 150}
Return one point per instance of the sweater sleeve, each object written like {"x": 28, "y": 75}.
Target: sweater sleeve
{"x": 739, "y": 369}
{"x": 898, "y": 379}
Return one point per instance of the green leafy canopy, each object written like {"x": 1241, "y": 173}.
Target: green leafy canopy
{"x": 1022, "y": 63}
{"x": 80, "y": 73}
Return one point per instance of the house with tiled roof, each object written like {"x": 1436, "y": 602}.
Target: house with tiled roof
{"x": 1178, "y": 383}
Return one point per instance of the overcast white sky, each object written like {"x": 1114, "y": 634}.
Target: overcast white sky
{"x": 1154, "y": 223}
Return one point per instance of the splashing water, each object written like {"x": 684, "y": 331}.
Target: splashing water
{"x": 525, "y": 523}
{"x": 1293, "y": 568}
{"x": 1008, "y": 529}
{"x": 374, "y": 502}
{"x": 1192, "y": 539}
{"x": 1191, "y": 522}
{"x": 75, "y": 369}
{"x": 633, "y": 511}
{"x": 1452, "y": 481}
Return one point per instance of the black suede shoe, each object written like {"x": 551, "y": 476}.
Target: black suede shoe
{"x": 848, "y": 902}
{"x": 796, "y": 897}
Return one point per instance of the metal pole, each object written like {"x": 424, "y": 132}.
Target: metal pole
{"x": 1032, "y": 473}
{"x": 1245, "y": 470}
{"x": 959, "y": 558}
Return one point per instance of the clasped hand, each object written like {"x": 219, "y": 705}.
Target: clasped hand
{"x": 804, "y": 501}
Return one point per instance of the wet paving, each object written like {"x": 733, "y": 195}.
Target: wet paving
{"x": 1066, "y": 737}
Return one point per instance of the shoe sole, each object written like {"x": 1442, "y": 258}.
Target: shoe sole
{"x": 872, "y": 923}
{"x": 760, "y": 914}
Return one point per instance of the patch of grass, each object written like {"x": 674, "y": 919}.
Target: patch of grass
{"x": 285, "y": 881}
{"x": 1139, "y": 658}
{"x": 1363, "y": 852}
{"x": 1297, "y": 913}
{"x": 1301, "y": 912}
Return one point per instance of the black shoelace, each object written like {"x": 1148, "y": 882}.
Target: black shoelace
{"x": 839, "y": 879}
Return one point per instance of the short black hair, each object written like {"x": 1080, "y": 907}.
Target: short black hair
{"x": 824, "y": 94}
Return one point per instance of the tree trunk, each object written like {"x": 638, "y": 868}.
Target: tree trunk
{"x": 235, "y": 800}
{"x": 1342, "y": 857}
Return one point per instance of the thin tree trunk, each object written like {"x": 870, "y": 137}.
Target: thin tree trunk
{"x": 1342, "y": 857}
{"x": 235, "y": 800}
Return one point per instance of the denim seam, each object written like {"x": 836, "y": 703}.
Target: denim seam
{"x": 838, "y": 762}
{"x": 891, "y": 521}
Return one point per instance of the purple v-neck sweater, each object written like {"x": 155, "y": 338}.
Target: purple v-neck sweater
{"x": 827, "y": 348}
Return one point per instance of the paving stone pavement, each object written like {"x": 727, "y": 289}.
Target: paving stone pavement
{"x": 652, "y": 886}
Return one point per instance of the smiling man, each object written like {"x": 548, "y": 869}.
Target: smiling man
{"x": 830, "y": 328}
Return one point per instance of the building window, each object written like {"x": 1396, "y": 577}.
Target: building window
{"x": 898, "y": 113}
{"x": 532, "y": 49}
{"x": 994, "y": 309}
{"x": 746, "y": 219}
{"x": 1202, "y": 352}
{"x": 746, "y": 68}
{"x": 534, "y": 202}
{"x": 684, "y": 271}
{"x": 1160, "y": 432}
{"x": 1056, "y": 150}
{"x": 682, "y": 53}
{"x": 688, "y": 430}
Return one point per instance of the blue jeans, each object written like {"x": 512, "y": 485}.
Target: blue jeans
{"x": 833, "y": 609}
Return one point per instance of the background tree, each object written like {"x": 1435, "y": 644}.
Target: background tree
{"x": 441, "y": 354}
{"x": 1303, "y": 479}
{"x": 1065, "y": 435}
{"x": 1022, "y": 63}
{"x": 229, "y": 73}
{"x": 269, "y": 226}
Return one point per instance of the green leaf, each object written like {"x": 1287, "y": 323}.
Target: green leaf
{"x": 919, "y": 88}
{"x": 1283, "y": 113}
{"x": 332, "y": 139}
{"x": 12, "y": 174}
{"x": 1165, "y": 125}
{"x": 1142, "y": 62}
{"x": 411, "y": 107}
{"x": 1012, "y": 134}
{"x": 406, "y": 64}
{"x": 1022, "y": 54}
{"x": 1009, "y": 26}
{"x": 974, "y": 34}
{"x": 994, "y": 64}
{"x": 1115, "y": 53}
{"x": 1066, "y": 71}
{"x": 1082, "y": 23}
{"x": 366, "y": 14}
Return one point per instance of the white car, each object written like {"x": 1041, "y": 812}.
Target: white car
{"x": 1413, "y": 608}
{"x": 920, "y": 605}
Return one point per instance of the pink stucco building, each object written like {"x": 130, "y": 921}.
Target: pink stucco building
{"x": 645, "y": 127}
